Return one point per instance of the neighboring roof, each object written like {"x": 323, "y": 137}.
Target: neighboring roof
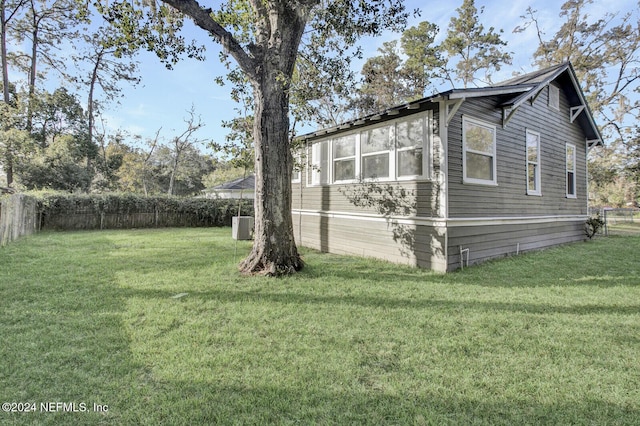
{"x": 248, "y": 182}
{"x": 516, "y": 90}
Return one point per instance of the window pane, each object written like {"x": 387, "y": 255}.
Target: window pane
{"x": 344, "y": 169}
{"x": 344, "y": 146}
{"x": 570, "y": 184}
{"x": 479, "y": 166}
{"x": 532, "y": 148}
{"x": 532, "y": 171}
{"x": 410, "y": 133}
{"x": 376, "y": 140}
{"x": 319, "y": 163}
{"x": 410, "y": 162}
{"x": 375, "y": 166}
{"x": 570, "y": 158}
{"x": 479, "y": 138}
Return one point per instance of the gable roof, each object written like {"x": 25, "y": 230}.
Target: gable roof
{"x": 248, "y": 182}
{"x": 516, "y": 91}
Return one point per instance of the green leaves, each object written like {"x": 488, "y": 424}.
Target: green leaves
{"x": 477, "y": 50}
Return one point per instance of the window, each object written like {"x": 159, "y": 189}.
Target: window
{"x": 571, "y": 171}
{"x": 479, "y": 152}
{"x": 554, "y": 97}
{"x": 375, "y": 146}
{"x": 344, "y": 158}
{"x": 397, "y": 149}
{"x": 296, "y": 173}
{"x": 533, "y": 163}
{"x": 409, "y": 145}
{"x": 319, "y": 166}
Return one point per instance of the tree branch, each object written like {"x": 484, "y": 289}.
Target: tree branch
{"x": 202, "y": 18}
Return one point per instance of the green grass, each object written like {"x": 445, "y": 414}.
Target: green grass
{"x": 625, "y": 228}
{"x": 92, "y": 317}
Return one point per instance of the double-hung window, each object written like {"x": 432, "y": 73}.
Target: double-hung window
{"x": 479, "y": 152}
{"x": 533, "y": 163}
{"x": 571, "y": 170}
{"x": 410, "y": 135}
{"x": 375, "y": 149}
{"x": 344, "y": 158}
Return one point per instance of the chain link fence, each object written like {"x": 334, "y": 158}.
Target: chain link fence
{"x": 621, "y": 221}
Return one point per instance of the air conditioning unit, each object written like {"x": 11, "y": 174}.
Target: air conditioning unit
{"x": 242, "y": 227}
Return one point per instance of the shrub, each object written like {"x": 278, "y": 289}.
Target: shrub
{"x": 593, "y": 225}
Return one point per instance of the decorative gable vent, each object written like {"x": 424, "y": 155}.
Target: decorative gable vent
{"x": 554, "y": 97}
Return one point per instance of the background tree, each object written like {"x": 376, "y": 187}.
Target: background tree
{"x": 110, "y": 63}
{"x": 605, "y": 53}
{"x": 45, "y": 25}
{"x": 54, "y": 114}
{"x": 9, "y": 11}
{"x": 475, "y": 49}
{"x": 263, "y": 37}
{"x": 181, "y": 144}
{"x": 423, "y": 57}
{"x": 60, "y": 153}
{"x": 384, "y": 81}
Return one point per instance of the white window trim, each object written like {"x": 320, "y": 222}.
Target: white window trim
{"x": 465, "y": 179}
{"x": 566, "y": 173}
{"x": 313, "y": 177}
{"x": 530, "y": 191}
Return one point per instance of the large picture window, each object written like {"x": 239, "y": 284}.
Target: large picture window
{"x": 394, "y": 150}
{"x": 479, "y": 152}
{"x": 571, "y": 171}
{"x": 533, "y": 163}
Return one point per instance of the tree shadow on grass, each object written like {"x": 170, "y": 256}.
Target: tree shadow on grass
{"x": 189, "y": 402}
{"x": 386, "y": 303}
{"x": 69, "y": 343}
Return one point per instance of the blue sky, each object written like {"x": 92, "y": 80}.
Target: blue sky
{"x": 164, "y": 97}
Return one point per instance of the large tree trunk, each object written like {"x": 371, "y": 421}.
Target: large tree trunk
{"x": 268, "y": 63}
{"x": 274, "y": 250}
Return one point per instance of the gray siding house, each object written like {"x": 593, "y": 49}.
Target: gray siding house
{"x": 452, "y": 179}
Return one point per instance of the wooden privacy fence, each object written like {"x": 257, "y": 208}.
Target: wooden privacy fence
{"x": 23, "y": 215}
{"x": 18, "y": 217}
{"x": 130, "y": 211}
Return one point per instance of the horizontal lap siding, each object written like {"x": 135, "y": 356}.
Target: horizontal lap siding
{"x": 340, "y": 198}
{"x": 509, "y": 198}
{"x": 491, "y": 241}
{"x": 398, "y": 243}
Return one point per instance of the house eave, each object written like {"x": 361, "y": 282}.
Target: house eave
{"x": 521, "y": 89}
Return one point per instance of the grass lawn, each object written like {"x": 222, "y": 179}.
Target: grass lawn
{"x": 157, "y": 327}
{"x": 625, "y": 228}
